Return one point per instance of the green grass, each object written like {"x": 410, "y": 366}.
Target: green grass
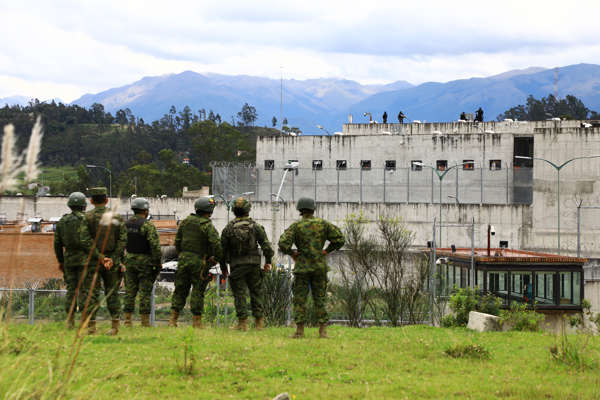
{"x": 354, "y": 363}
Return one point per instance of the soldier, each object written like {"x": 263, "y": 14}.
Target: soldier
{"x": 309, "y": 234}
{"x": 111, "y": 237}
{"x": 401, "y": 117}
{"x": 72, "y": 234}
{"x": 239, "y": 241}
{"x": 198, "y": 245}
{"x": 142, "y": 261}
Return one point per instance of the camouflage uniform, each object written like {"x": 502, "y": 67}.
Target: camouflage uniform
{"x": 245, "y": 261}
{"x": 72, "y": 234}
{"x": 111, "y": 241}
{"x": 309, "y": 234}
{"x": 196, "y": 242}
{"x": 142, "y": 263}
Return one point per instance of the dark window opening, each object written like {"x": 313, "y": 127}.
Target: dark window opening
{"x": 317, "y": 165}
{"x": 468, "y": 165}
{"x": 416, "y": 165}
{"x": 269, "y": 165}
{"x": 390, "y": 165}
{"x": 441, "y": 165}
{"x": 341, "y": 164}
{"x": 523, "y": 147}
{"x": 495, "y": 165}
{"x": 365, "y": 164}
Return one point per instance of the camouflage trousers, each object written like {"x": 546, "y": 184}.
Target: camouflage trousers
{"x": 139, "y": 277}
{"x": 111, "y": 281}
{"x": 247, "y": 277}
{"x": 71, "y": 276}
{"x": 191, "y": 273}
{"x": 90, "y": 287}
{"x": 316, "y": 282}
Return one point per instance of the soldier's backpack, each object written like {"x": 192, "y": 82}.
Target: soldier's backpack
{"x": 244, "y": 233}
{"x": 71, "y": 232}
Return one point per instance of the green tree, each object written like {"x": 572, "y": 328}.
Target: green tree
{"x": 248, "y": 115}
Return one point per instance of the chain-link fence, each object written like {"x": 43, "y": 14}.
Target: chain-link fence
{"x": 505, "y": 185}
{"x": 33, "y": 304}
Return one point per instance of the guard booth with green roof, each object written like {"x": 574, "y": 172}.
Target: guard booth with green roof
{"x": 550, "y": 281}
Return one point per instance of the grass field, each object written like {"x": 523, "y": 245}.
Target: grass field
{"x": 353, "y": 364}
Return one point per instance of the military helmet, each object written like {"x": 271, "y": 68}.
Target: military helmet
{"x": 98, "y": 191}
{"x": 205, "y": 204}
{"x": 76, "y": 199}
{"x": 241, "y": 203}
{"x": 306, "y": 203}
{"x": 140, "y": 203}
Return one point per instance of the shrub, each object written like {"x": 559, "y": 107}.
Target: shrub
{"x": 462, "y": 350}
{"x": 519, "y": 318}
{"x": 465, "y": 300}
{"x": 448, "y": 321}
{"x": 277, "y": 289}
{"x": 572, "y": 350}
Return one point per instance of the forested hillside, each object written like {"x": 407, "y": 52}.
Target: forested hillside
{"x": 147, "y": 158}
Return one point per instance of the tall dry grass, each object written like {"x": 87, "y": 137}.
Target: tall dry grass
{"x": 62, "y": 367}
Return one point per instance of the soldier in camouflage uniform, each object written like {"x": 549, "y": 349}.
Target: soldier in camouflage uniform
{"x": 110, "y": 236}
{"x": 72, "y": 234}
{"x": 142, "y": 261}
{"x": 239, "y": 240}
{"x": 197, "y": 243}
{"x": 309, "y": 234}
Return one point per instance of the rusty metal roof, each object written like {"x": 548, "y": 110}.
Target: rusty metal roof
{"x": 504, "y": 256}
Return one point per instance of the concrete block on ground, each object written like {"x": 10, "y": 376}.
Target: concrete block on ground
{"x": 483, "y": 322}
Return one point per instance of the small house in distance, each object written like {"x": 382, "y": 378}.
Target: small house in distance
{"x": 550, "y": 281}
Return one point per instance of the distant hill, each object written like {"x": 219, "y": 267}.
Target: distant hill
{"x": 445, "y": 101}
{"x": 306, "y": 103}
{"x": 327, "y": 102}
{"x": 14, "y": 100}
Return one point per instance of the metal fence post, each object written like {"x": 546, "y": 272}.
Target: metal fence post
{"x": 579, "y": 230}
{"x": 338, "y": 187}
{"x": 432, "y": 186}
{"x": 456, "y": 190}
{"x": 315, "y": 185}
{"x": 507, "y": 178}
{"x": 384, "y": 185}
{"x": 218, "y": 290}
{"x": 294, "y": 185}
{"x": 481, "y": 185}
{"x": 289, "y": 305}
{"x": 152, "y": 306}
{"x": 31, "y": 308}
{"x": 361, "y": 186}
{"x": 407, "y": 185}
{"x": 270, "y": 185}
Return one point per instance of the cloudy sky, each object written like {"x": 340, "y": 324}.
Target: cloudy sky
{"x": 64, "y": 48}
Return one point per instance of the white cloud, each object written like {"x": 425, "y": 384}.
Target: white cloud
{"x": 74, "y": 47}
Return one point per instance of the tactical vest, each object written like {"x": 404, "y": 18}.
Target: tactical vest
{"x": 93, "y": 219}
{"x": 71, "y": 232}
{"x": 136, "y": 241}
{"x": 193, "y": 235}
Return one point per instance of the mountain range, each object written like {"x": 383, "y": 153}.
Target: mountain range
{"x": 329, "y": 101}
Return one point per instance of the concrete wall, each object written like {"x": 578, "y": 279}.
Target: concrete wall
{"x": 579, "y": 181}
{"x": 517, "y": 127}
{"x": 378, "y": 184}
